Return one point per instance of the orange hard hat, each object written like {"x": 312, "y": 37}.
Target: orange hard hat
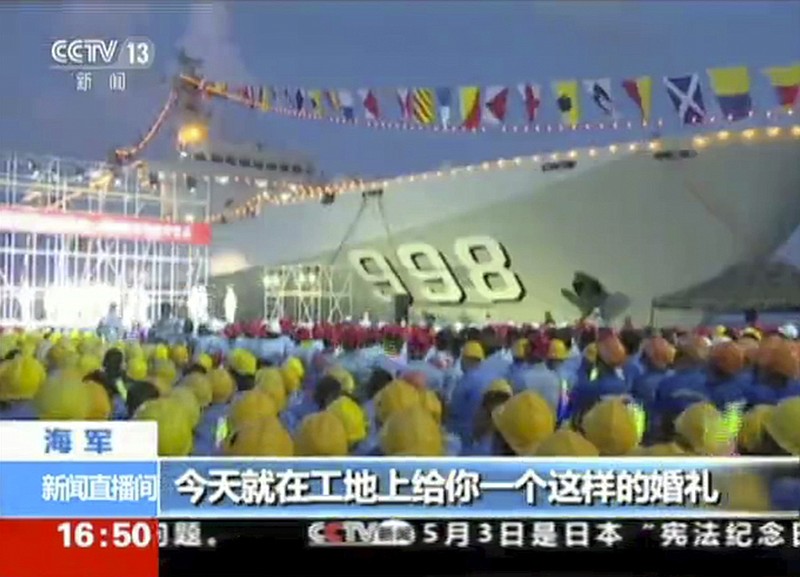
{"x": 611, "y": 351}
{"x": 695, "y": 347}
{"x": 659, "y": 352}
{"x": 727, "y": 358}
{"x": 783, "y": 360}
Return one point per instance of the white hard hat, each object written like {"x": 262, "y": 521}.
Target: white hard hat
{"x": 789, "y": 331}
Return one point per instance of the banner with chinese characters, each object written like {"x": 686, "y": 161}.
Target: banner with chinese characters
{"x": 90, "y": 225}
{"x": 465, "y": 487}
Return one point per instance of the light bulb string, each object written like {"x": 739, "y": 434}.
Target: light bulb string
{"x": 132, "y": 152}
{"x": 297, "y": 193}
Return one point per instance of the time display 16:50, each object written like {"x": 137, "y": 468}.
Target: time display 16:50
{"x": 119, "y": 534}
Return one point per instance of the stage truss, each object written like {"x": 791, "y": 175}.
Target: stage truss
{"x": 70, "y": 280}
{"x": 308, "y": 293}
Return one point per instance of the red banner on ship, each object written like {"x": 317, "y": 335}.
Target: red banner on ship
{"x": 15, "y": 219}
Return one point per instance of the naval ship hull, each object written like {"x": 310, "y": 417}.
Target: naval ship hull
{"x": 503, "y": 243}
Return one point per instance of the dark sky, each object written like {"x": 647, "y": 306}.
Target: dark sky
{"x": 372, "y": 44}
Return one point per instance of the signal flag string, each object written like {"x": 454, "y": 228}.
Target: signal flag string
{"x": 213, "y": 89}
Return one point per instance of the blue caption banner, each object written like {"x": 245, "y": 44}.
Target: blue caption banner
{"x": 451, "y": 488}
{"x": 100, "y": 489}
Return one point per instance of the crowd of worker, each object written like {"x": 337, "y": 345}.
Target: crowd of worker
{"x": 415, "y": 391}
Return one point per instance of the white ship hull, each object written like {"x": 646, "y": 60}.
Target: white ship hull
{"x": 642, "y": 226}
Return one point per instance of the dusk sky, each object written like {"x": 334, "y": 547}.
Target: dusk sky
{"x": 372, "y": 44}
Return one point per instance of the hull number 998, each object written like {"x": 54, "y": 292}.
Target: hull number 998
{"x": 483, "y": 260}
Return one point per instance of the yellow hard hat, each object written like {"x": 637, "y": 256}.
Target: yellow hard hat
{"x": 187, "y": 404}
{"x": 7, "y": 344}
{"x": 163, "y": 385}
{"x": 291, "y": 379}
{"x": 180, "y": 355}
{"x": 205, "y": 361}
{"x": 321, "y": 434}
{"x": 499, "y": 386}
{"x": 222, "y": 385}
{"x": 251, "y": 406}
{"x": 566, "y": 443}
{"x": 557, "y": 350}
{"x": 161, "y": 353}
{"x": 524, "y": 421}
{"x": 263, "y": 437}
{"x": 353, "y": 418}
{"x": 412, "y": 432}
{"x": 99, "y": 402}
{"x": 473, "y": 350}
{"x": 611, "y": 427}
{"x": 432, "y": 403}
{"x": 164, "y": 369}
{"x": 63, "y": 399}
{"x": 200, "y": 385}
{"x": 781, "y": 424}
{"x": 21, "y": 379}
{"x": 702, "y": 429}
{"x": 133, "y": 350}
{"x": 520, "y": 349}
{"x": 751, "y": 333}
{"x": 27, "y": 349}
{"x": 394, "y": 397}
{"x": 590, "y": 353}
{"x": 344, "y": 377}
{"x": 243, "y": 362}
{"x": 88, "y": 346}
{"x": 295, "y": 365}
{"x": 269, "y": 380}
{"x": 174, "y": 432}
{"x": 136, "y": 369}
{"x": 61, "y": 355}
{"x": 751, "y": 433}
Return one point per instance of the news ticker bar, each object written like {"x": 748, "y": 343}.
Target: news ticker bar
{"x": 147, "y": 548}
{"x": 381, "y": 488}
{"x": 544, "y": 534}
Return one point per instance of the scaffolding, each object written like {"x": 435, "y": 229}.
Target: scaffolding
{"x": 308, "y": 293}
{"x": 70, "y": 280}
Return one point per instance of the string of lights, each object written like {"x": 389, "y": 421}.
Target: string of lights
{"x": 296, "y": 193}
{"x": 214, "y": 89}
